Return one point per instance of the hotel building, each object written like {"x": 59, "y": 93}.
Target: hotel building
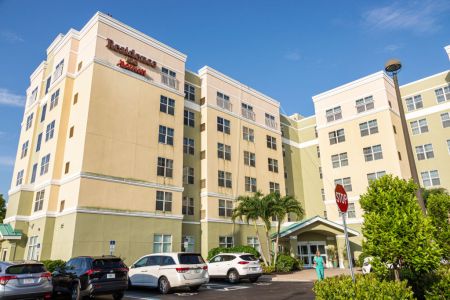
{"x": 124, "y": 150}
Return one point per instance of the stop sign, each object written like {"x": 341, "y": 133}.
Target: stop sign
{"x": 341, "y": 198}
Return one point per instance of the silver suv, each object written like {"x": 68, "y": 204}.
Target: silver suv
{"x": 25, "y": 280}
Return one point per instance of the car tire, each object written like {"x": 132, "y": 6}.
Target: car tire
{"x": 75, "y": 291}
{"x": 253, "y": 279}
{"x": 233, "y": 276}
{"x": 194, "y": 288}
{"x": 163, "y": 285}
{"x": 118, "y": 296}
{"x": 130, "y": 285}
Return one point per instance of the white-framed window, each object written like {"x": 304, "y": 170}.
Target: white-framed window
{"x": 370, "y": 127}
{"x": 364, "y": 104}
{"x": 270, "y": 121}
{"x": 448, "y": 146}
{"x": 188, "y": 244}
{"x": 24, "y": 150}
{"x": 167, "y": 105}
{"x": 225, "y": 208}
{"x": 271, "y": 142}
{"x": 32, "y": 248}
{"x": 430, "y": 178}
{"x": 45, "y": 162}
{"x": 351, "y": 212}
{"x": 274, "y": 187}
{"x": 54, "y": 99}
{"x": 188, "y": 206}
{"x": 273, "y": 165}
{"x": 248, "y": 134}
{"x": 33, "y": 96}
{"x": 33, "y": 173}
{"x": 58, "y": 70}
{"x": 424, "y": 151}
{"x": 163, "y": 201}
{"x": 249, "y": 159}
{"x": 373, "y": 153}
{"x": 188, "y": 175}
{"x": 223, "y": 125}
{"x": 44, "y": 112}
{"x": 247, "y": 111}
{"x": 188, "y": 146}
{"x": 419, "y": 126}
{"x": 189, "y": 92}
{"x": 445, "y": 118}
{"x": 19, "y": 178}
{"x": 442, "y": 94}
{"x": 223, "y": 151}
{"x": 250, "y": 184}
{"x": 224, "y": 179}
{"x": 189, "y": 118}
{"x": 29, "y": 121}
{"x": 345, "y": 182}
{"x": 337, "y": 136}
{"x": 39, "y": 200}
{"x": 226, "y": 241}
{"x": 339, "y": 160}
{"x": 165, "y": 135}
{"x": 38, "y": 143}
{"x": 50, "y": 131}
{"x": 333, "y": 114}
{"x": 165, "y": 167}
{"x": 318, "y": 151}
{"x": 320, "y": 173}
{"x": 375, "y": 175}
{"x": 47, "y": 84}
{"x": 253, "y": 241}
{"x": 162, "y": 243}
{"x": 168, "y": 77}
{"x": 223, "y": 101}
{"x": 322, "y": 193}
{"x": 413, "y": 103}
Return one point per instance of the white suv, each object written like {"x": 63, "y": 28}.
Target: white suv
{"x": 169, "y": 270}
{"x": 235, "y": 266}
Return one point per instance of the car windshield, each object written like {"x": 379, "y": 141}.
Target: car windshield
{"x": 190, "y": 259}
{"x": 248, "y": 257}
{"x": 108, "y": 263}
{"x": 26, "y": 269}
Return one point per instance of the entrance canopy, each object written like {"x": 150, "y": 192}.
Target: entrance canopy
{"x": 8, "y": 233}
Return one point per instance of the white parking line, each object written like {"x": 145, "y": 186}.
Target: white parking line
{"x": 142, "y": 298}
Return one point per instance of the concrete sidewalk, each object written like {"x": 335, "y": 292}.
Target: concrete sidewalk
{"x": 306, "y": 275}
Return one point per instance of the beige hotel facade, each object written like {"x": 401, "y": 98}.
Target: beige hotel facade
{"x": 120, "y": 142}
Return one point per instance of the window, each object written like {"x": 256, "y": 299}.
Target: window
{"x": 29, "y": 121}
{"x": 189, "y": 118}
{"x": 54, "y": 99}
{"x": 165, "y": 135}
{"x": 318, "y": 151}
{"x": 337, "y": 136}
{"x": 424, "y": 151}
{"x": 322, "y": 192}
{"x": 413, "y": 103}
{"x": 19, "y": 178}
{"x": 430, "y": 178}
{"x": 71, "y": 132}
{"x": 58, "y": 70}
{"x": 419, "y": 126}
{"x": 273, "y": 165}
{"x": 188, "y": 241}
{"x": 375, "y": 175}
{"x": 165, "y": 167}
{"x": 333, "y": 114}
{"x": 320, "y": 173}
{"x": 253, "y": 241}
{"x": 224, "y": 179}
{"x": 249, "y": 159}
{"x": 247, "y": 111}
{"x": 188, "y": 206}
{"x": 33, "y": 173}
{"x": 225, "y": 208}
{"x": 339, "y": 160}
{"x": 271, "y": 142}
{"x": 270, "y": 121}
{"x": 274, "y": 187}
{"x": 75, "y": 99}
{"x": 373, "y": 153}
{"x": 162, "y": 243}
{"x": 188, "y": 146}
{"x": 167, "y": 105}
{"x": 163, "y": 201}
{"x": 203, "y": 154}
{"x": 345, "y": 182}
{"x": 44, "y": 112}
{"x": 61, "y": 205}
{"x": 33, "y": 96}
{"x": 24, "y": 150}
{"x": 39, "y": 201}
{"x": 50, "y": 131}
{"x": 448, "y": 145}
{"x": 325, "y": 215}
{"x": 223, "y": 101}
{"x": 226, "y": 241}
{"x": 248, "y": 134}
{"x": 38, "y": 143}
{"x": 394, "y": 128}
{"x": 223, "y": 151}
{"x": 32, "y": 248}
{"x": 442, "y": 94}
{"x": 315, "y": 131}
{"x": 367, "y": 128}
{"x": 189, "y": 92}
{"x": 223, "y": 125}
{"x": 250, "y": 184}
{"x": 168, "y": 77}
{"x": 445, "y": 117}
{"x": 67, "y": 167}
{"x": 351, "y": 213}
{"x": 80, "y": 65}
{"x": 188, "y": 175}
{"x": 399, "y": 155}
{"x": 364, "y": 104}
{"x": 45, "y": 161}
{"x": 47, "y": 84}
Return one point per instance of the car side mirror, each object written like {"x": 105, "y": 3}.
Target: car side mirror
{"x": 132, "y": 266}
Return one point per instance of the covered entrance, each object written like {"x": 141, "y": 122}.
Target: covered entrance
{"x": 307, "y": 250}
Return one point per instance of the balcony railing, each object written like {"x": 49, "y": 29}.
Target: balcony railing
{"x": 249, "y": 114}
{"x": 225, "y": 104}
{"x": 169, "y": 81}
{"x": 271, "y": 123}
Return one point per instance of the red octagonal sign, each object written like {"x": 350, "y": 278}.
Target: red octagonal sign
{"x": 341, "y": 198}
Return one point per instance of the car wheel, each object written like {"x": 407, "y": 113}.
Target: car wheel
{"x": 253, "y": 279}
{"x": 130, "y": 285}
{"x": 194, "y": 288}
{"x": 118, "y": 296}
{"x": 164, "y": 285}
{"x": 233, "y": 276}
{"x": 75, "y": 292}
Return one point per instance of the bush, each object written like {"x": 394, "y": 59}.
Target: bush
{"x": 287, "y": 263}
{"x": 365, "y": 287}
{"x": 239, "y": 249}
{"x": 359, "y": 262}
{"x": 51, "y": 265}
{"x": 440, "y": 289}
{"x": 268, "y": 269}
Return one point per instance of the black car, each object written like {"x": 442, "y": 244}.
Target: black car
{"x": 87, "y": 276}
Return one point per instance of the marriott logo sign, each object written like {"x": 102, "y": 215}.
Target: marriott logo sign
{"x": 130, "y": 53}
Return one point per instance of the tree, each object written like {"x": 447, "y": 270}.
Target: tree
{"x": 396, "y": 231}
{"x": 2, "y": 208}
{"x": 438, "y": 209}
{"x": 282, "y": 207}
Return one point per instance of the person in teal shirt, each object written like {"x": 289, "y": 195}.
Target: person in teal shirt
{"x": 318, "y": 264}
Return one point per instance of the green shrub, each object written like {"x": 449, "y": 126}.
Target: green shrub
{"x": 51, "y": 265}
{"x": 365, "y": 287}
{"x": 287, "y": 263}
{"x": 238, "y": 249}
{"x": 268, "y": 269}
{"x": 440, "y": 288}
{"x": 359, "y": 262}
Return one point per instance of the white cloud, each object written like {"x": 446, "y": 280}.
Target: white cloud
{"x": 293, "y": 55}
{"x": 391, "y": 48}
{"x": 9, "y": 98}
{"x": 417, "y": 16}
{"x": 6, "y": 161}
{"x": 10, "y": 37}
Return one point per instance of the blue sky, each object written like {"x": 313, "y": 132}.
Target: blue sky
{"x": 289, "y": 50}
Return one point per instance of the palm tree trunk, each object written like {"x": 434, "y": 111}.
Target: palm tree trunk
{"x": 276, "y": 244}
{"x": 259, "y": 241}
{"x": 268, "y": 246}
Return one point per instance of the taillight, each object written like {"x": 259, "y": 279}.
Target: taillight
{"x": 47, "y": 275}
{"x": 48, "y": 296}
{"x": 4, "y": 279}
{"x": 92, "y": 271}
{"x": 243, "y": 262}
{"x": 205, "y": 268}
{"x": 182, "y": 270}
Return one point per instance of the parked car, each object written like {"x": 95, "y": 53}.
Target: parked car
{"x": 235, "y": 266}
{"x": 24, "y": 280}
{"x": 90, "y": 276}
{"x": 169, "y": 270}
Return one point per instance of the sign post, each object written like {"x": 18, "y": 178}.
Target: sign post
{"x": 112, "y": 247}
{"x": 342, "y": 202}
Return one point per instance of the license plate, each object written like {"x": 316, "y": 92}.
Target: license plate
{"x": 254, "y": 269}
{"x": 28, "y": 280}
{"x": 197, "y": 271}
{"x": 110, "y": 276}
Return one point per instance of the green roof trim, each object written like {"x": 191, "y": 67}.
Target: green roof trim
{"x": 8, "y": 233}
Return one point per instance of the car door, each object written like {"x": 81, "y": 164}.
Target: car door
{"x": 226, "y": 264}
{"x": 152, "y": 270}
{"x": 214, "y": 265}
{"x": 136, "y": 273}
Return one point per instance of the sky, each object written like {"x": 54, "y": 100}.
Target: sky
{"x": 288, "y": 50}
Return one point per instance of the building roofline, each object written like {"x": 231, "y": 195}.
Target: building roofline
{"x": 425, "y": 78}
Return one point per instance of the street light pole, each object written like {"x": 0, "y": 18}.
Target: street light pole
{"x": 392, "y": 67}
